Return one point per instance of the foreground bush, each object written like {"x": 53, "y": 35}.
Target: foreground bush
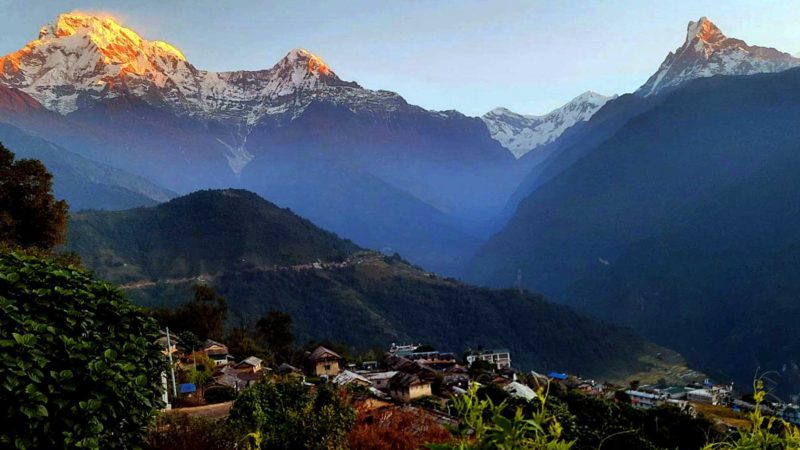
{"x": 79, "y": 366}
{"x": 288, "y": 415}
{"x": 396, "y": 429}
{"x": 179, "y": 431}
{"x": 485, "y": 425}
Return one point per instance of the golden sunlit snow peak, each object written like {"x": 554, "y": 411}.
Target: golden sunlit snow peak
{"x": 115, "y": 43}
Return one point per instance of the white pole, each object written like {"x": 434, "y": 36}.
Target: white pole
{"x": 171, "y": 370}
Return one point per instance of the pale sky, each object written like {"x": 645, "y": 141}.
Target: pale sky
{"x": 529, "y": 56}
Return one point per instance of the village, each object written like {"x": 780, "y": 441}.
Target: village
{"x": 419, "y": 378}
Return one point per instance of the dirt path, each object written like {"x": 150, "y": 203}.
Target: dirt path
{"x": 319, "y": 265}
{"x": 214, "y": 412}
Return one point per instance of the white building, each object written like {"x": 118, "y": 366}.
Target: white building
{"x": 499, "y": 358}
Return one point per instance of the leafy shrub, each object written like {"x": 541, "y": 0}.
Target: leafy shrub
{"x": 484, "y": 425}
{"x": 288, "y": 415}
{"x": 80, "y": 365}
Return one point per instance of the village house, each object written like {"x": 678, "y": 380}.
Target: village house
{"x": 287, "y": 369}
{"x": 231, "y": 377}
{"x": 380, "y": 380}
{"x": 251, "y": 364}
{"x": 676, "y": 392}
{"x": 702, "y": 396}
{"x": 218, "y": 352}
{"x": 323, "y": 362}
{"x": 405, "y": 387}
{"x": 499, "y": 358}
{"x": 434, "y": 359}
{"x": 402, "y": 349}
{"x": 369, "y": 365}
{"x": 351, "y": 378}
{"x": 644, "y": 400}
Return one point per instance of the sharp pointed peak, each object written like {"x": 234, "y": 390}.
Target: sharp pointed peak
{"x": 704, "y": 29}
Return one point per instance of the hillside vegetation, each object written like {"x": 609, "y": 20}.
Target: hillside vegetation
{"x": 202, "y": 233}
{"x": 261, "y": 258}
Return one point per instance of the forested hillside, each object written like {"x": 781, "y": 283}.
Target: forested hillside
{"x": 262, "y": 258}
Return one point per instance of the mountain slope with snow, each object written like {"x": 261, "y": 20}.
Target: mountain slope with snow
{"x": 522, "y": 133}
{"x": 707, "y": 52}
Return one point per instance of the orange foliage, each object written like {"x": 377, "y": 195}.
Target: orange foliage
{"x": 394, "y": 428}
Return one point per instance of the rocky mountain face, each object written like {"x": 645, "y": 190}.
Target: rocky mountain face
{"x": 521, "y": 134}
{"x": 707, "y": 52}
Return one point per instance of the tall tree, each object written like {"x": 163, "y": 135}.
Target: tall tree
{"x": 276, "y": 330}
{"x": 30, "y": 216}
{"x": 206, "y": 313}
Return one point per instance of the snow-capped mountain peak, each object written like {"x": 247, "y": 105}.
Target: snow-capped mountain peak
{"x": 118, "y": 44}
{"x": 707, "y": 52}
{"x": 81, "y": 59}
{"x": 522, "y": 133}
{"x": 81, "y": 56}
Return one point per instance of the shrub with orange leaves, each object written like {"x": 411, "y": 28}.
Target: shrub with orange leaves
{"x": 396, "y": 428}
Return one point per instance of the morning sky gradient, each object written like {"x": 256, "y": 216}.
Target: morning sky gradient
{"x": 529, "y": 56}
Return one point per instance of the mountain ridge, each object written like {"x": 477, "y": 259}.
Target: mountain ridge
{"x": 523, "y": 133}
{"x": 333, "y": 289}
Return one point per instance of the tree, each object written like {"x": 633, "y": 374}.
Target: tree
{"x": 200, "y": 372}
{"x": 241, "y": 344}
{"x": 30, "y": 217}
{"x": 276, "y": 330}
{"x": 81, "y": 365}
{"x": 208, "y": 311}
{"x": 204, "y": 316}
{"x": 190, "y": 341}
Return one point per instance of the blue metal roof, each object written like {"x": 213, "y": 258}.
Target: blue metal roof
{"x": 557, "y": 375}
{"x": 187, "y": 388}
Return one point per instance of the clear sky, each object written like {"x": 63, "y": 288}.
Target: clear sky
{"x": 530, "y": 56}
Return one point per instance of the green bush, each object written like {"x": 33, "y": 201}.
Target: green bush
{"x": 80, "y": 365}
{"x": 289, "y": 415}
{"x": 485, "y": 425}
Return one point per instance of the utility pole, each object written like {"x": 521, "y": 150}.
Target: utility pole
{"x": 171, "y": 369}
